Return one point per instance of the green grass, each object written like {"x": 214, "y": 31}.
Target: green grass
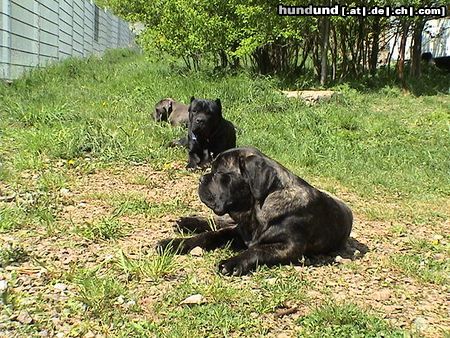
{"x": 345, "y": 320}
{"x": 107, "y": 228}
{"x": 388, "y": 151}
{"x": 13, "y": 254}
{"x": 148, "y": 267}
{"x": 99, "y": 293}
{"x": 376, "y": 144}
{"x": 135, "y": 204}
{"x": 425, "y": 260}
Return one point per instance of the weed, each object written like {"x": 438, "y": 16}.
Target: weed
{"x": 99, "y": 293}
{"x": 426, "y": 261}
{"x": 106, "y": 228}
{"x": 13, "y": 254}
{"x": 149, "y": 267}
{"x": 344, "y": 320}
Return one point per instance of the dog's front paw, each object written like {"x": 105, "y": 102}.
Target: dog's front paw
{"x": 195, "y": 224}
{"x": 169, "y": 244}
{"x": 234, "y": 266}
{"x": 192, "y": 167}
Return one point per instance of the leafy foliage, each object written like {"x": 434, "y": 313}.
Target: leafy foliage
{"x": 234, "y": 32}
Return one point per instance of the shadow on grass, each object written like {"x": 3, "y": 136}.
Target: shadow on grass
{"x": 433, "y": 81}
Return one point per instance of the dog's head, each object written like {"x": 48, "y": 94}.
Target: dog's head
{"x": 239, "y": 178}
{"x": 204, "y": 116}
{"x": 163, "y": 109}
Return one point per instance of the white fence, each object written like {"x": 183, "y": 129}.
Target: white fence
{"x": 37, "y": 32}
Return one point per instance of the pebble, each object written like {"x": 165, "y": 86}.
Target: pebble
{"x": 420, "y": 324}
{"x": 197, "y": 251}
{"x": 64, "y": 192}
{"x": 194, "y": 299}
{"x": 120, "y": 300}
{"x": 60, "y": 287}
{"x": 24, "y": 318}
{"x": 271, "y": 281}
{"x": 43, "y": 333}
{"x": 357, "y": 254}
{"x": 3, "y": 286}
{"x": 341, "y": 260}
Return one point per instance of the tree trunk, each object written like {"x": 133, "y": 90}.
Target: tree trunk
{"x": 376, "y": 30}
{"x": 334, "y": 56}
{"x": 416, "y": 51}
{"x": 324, "y": 59}
{"x": 401, "y": 54}
{"x": 391, "y": 51}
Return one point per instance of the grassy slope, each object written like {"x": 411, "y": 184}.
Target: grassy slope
{"x": 388, "y": 150}
{"x": 380, "y": 143}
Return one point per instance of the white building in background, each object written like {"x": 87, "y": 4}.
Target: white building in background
{"x": 435, "y": 39}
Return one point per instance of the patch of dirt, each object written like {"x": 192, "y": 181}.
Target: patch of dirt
{"x": 368, "y": 280}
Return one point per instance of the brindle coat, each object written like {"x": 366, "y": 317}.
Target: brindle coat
{"x": 278, "y": 216}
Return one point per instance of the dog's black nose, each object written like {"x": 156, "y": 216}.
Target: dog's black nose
{"x": 199, "y": 120}
{"x": 202, "y": 179}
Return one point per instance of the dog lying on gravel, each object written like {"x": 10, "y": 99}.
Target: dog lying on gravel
{"x": 276, "y": 217}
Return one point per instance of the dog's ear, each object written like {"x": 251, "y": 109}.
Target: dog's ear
{"x": 219, "y": 104}
{"x": 192, "y": 99}
{"x": 260, "y": 175}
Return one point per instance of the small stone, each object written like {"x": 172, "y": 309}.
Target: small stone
{"x": 341, "y": 260}
{"x": 3, "y": 286}
{"x": 43, "y": 333}
{"x": 382, "y": 295}
{"x": 420, "y": 324}
{"x": 60, "y": 287}
{"x": 64, "y": 192}
{"x": 82, "y": 204}
{"x": 60, "y": 335}
{"x": 130, "y": 303}
{"x": 90, "y": 334}
{"x": 271, "y": 281}
{"x": 120, "y": 300}
{"x": 283, "y": 335}
{"x": 24, "y": 318}
{"x": 70, "y": 208}
{"x": 194, "y": 299}
{"x": 197, "y": 252}
{"x": 439, "y": 257}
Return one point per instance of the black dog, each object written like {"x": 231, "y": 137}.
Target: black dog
{"x": 208, "y": 132}
{"x": 278, "y": 216}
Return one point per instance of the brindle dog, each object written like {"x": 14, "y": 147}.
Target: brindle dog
{"x": 278, "y": 217}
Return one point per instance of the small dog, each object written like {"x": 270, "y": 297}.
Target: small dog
{"x": 208, "y": 132}
{"x": 171, "y": 111}
{"x": 276, "y": 217}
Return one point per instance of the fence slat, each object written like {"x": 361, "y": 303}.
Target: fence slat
{"x": 34, "y": 33}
